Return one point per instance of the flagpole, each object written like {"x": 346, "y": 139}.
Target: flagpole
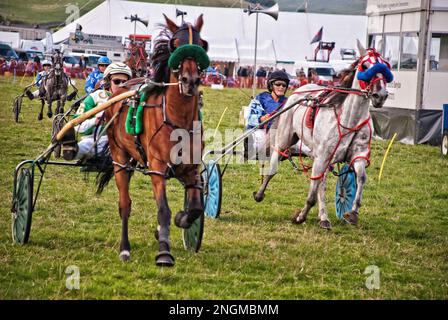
{"x": 255, "y": 57}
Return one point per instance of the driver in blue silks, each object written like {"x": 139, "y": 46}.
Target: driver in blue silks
{"x": 96, "y": 75}
{"x": 262, "y": 107}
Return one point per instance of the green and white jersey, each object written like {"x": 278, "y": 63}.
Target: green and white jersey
{"x": 86, "y": 128}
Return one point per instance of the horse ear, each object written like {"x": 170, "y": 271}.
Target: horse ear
{"x": 170, "y": 24}
{"x": 199, "y": 23}
{"x": 362, "y": 50}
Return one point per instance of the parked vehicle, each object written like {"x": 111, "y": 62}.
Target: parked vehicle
{"x": 325, "y": 72}
{"x": 7, "y": 52}
{"x": 26, "y": 55}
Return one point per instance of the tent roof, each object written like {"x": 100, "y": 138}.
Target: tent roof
{"x": 289, "y": 36}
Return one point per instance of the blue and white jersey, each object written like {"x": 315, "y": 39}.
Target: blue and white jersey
{"x": 262, "y": 104}
{"x": 92, "y": 80}
{"x": 40, "y": 76}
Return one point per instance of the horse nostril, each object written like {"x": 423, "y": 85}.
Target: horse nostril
{"x": 184, "y": 79}
{"x": 375, "y": 95}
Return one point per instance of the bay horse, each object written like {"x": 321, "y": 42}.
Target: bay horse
{"x": 54, "y": 87}
{"x": 137, "y": 60}
{"x": 178, "y": 60}
{"x": 342, "y": 130}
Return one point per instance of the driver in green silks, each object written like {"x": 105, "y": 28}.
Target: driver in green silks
{"x": 90, "y": 130}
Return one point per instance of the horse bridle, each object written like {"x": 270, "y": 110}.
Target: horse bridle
{"x": 373, "y": 57}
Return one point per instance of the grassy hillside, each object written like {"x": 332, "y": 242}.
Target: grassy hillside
{"x": 251, "y": 252}
{"x": 45, "y": 11}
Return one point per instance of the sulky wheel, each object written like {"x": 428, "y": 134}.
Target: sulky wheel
{"x": 192, "y": 237}
{"x": 444, "y": 146}
{"x": 22, "y": 207}
{"x": 213, "y": 189}
{"x": 345, "y": 191}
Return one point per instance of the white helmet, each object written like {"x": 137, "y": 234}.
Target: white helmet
{"x": 46, "y": 63}
{"x": 117, "y": 67}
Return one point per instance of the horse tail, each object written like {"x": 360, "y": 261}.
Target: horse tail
{"x": 103, "y": 177}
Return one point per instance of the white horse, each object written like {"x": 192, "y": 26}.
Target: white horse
{"x": 342, "y": 131}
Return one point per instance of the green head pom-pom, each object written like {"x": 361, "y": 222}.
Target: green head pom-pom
{"x": 189, "y": 51}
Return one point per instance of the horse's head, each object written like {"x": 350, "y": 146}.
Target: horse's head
{"x": 57, "y": 59}
{"x": 373, "y": 72}
{"x": 188, "y": 55}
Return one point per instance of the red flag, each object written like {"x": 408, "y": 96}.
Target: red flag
{"x": 318, "y": 36}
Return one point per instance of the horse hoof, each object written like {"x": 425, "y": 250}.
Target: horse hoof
{"x": 297, "y": 218}
{"x": 49, "y": 114}
{"x": 40, "y": 116}
{"x": 125, "y": 255}
{"x": 351, "y": 217}
{"x": 257, "y": 197}
{"x": 325, "y": 224}
{"x": 164, "y": 259}
{"x": 181, "y": 220}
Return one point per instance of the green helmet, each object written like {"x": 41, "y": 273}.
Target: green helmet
{"x": 117, "y": 67}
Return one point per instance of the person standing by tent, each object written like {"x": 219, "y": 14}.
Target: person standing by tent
{"x": 96, "y": 75}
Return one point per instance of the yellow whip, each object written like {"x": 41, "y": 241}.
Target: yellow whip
{"x": 385, "y": 155}
{"x": 219, "y": 123}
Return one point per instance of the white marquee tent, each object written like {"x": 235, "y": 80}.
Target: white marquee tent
{"x": 230, "y": 31}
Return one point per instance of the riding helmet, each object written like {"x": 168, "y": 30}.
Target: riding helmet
{"x": 104, "y": 60}
{"x": 46, "y": 63}
{"x": 277, "y": 75}
{"x": 117, "y": 67}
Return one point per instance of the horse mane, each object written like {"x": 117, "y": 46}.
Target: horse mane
{"x": 348, "y": 75}
{"x": 160, "y": 56}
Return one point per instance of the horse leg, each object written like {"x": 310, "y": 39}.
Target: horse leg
{"x": 301, "y": 215}
{"x": 194, "y": 200}
{"x": 49, "y": 113}
{"x": 163, "y": 257}
{"x": 324, "y": 222}
{"x": 58, "y": 106}
{"x": 122, "y": 178}
{"x": 259, "y": 195}
{"x": 360, "y": 170}
{"x": 40, "y": 115}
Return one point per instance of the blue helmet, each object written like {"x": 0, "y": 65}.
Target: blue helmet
{"x": 104, "y": 60}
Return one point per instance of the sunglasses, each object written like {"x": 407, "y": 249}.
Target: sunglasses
{"x": 118, "y": 81}
{"x": 280, "y": 84}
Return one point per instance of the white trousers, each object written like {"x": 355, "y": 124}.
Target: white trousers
{"x": 86, "y": 149}
{"x": 257, "y": 144}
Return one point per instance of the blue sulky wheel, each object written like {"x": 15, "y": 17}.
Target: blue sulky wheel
{"x": 192, "y": 237}
{"x": 22, "y": 207}
{"x": 345, "y": 191}
{"x": 213, "y": 189}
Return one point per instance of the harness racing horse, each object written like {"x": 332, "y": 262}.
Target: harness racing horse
{"x": 137, "y": 59}
{"x": 342, "y": 131}
{"x": 54, "y": 87}
{"x": 171, "y": 105}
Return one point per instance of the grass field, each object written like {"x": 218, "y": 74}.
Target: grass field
{"x": 251, "y": 252}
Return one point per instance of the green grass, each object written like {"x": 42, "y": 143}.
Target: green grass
{"x": 251, "y": 252}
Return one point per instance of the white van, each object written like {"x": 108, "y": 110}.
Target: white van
{"x": 34, "y": 45}
{"x": 324, "y": 70}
